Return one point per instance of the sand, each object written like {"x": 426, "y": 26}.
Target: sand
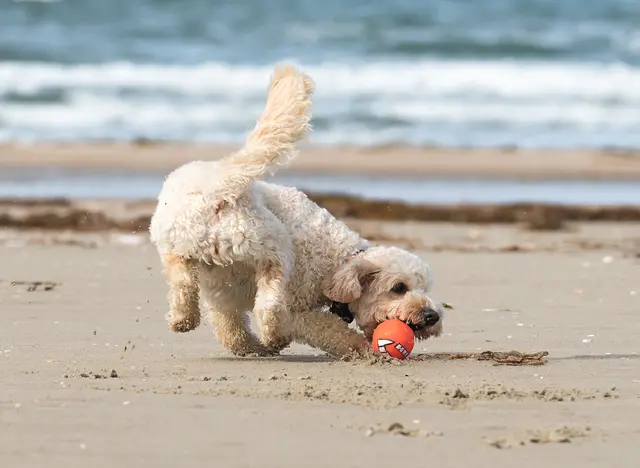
{"x": 389, "y": 161}
{"x": 91, "y": 376}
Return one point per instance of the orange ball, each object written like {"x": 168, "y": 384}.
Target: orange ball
{"x": 394, "y": 338}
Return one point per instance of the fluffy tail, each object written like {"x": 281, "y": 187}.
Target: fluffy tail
{"x": 284, "y": 121}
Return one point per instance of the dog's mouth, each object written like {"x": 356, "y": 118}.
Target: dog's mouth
{"x": 430, "y": 323}
{"x": 417, "y": 326}
{"x": 428, "y": 318}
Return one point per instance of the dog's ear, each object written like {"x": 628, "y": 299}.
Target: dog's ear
{"x": 347, "y": 283}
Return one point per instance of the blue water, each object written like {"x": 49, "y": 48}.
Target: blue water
{"x": 127, "y": 185}
{"x": 531, "y": 73}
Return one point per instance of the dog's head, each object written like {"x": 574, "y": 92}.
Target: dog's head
{"x": 385, "y": 283}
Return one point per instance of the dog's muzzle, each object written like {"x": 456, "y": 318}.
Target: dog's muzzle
{"x": 429, "y": 318}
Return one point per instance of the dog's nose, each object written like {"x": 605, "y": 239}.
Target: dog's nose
{"x": 431, "y": 317}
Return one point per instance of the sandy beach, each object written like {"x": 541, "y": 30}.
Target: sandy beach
{"x": 505, "y": 152}
{"x": 91, "y": 375}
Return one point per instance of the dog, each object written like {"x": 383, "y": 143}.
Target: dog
{"x": 236, "y": 244}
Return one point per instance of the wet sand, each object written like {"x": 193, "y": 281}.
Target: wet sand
{"x": 91, "y": 375}
{"x": 508, "y": 163}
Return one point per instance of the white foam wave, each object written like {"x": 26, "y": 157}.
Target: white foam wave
{"x": 426, "y": 78}
{"x": 375, "y": 103}
{"x": 581, "y": 114}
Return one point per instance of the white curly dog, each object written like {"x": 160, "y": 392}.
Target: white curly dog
{"x": 242, "y": 245}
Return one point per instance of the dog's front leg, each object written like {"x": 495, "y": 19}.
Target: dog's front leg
{"x": 184, "y": 292}
{"x": 270, "y": 308}
{"x": 331, "y": 334}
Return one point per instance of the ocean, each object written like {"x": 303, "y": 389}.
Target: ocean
{"x": 526, "y": 73}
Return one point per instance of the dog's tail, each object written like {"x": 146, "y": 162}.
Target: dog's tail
{"x": 284, "y": 121}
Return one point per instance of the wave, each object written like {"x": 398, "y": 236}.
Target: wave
{"x": 420, "y": 102}
{"x": 501, "y": 78}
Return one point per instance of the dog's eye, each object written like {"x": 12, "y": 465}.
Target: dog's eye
{"x": 399, "y": 288}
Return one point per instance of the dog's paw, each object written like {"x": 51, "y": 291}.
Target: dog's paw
{"x": 274, "y": 340}
{"x": 185, "y": 324}
{"x": 276, "y": 344}
{"x": 355, "y": 348}
{"x": 359, "y": 348}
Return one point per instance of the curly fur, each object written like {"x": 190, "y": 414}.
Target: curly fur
{"x": 238, "y": 244}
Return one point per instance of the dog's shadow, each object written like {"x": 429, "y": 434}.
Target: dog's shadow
{"x": 287, "y": 358}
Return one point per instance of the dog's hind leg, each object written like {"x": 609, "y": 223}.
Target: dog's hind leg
{"x": 184, "y": 292}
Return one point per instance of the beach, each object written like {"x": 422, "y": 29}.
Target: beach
{"x": 497, "y": 140}
{"x": 92, "y": 375}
